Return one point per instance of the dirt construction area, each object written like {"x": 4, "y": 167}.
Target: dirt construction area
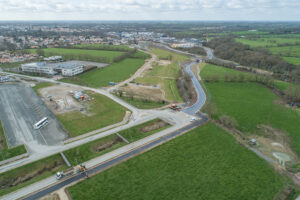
{"x": 60, "y": 99}
{"x": 20, "y": 109}
{"x": 144, "y": 92}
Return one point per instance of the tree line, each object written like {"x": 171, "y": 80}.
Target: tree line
{"x": 101, "y": 47}
{"x": 227, "y": 48}
{"x": 194, "y": 50}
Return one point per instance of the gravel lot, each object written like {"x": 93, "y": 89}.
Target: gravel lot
{"x": 21, "y": 108}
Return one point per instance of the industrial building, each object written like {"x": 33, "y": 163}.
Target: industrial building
{"x": 40, "y": 68}
{"x": 69, "y": 68}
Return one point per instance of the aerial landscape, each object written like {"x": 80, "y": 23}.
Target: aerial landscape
{"x": 150, "y": 100}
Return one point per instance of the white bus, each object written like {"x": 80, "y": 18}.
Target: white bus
{"x": 41, "y": 123}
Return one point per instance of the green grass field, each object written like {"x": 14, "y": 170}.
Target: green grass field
{"x": 291, "y": 54}
{"x": 292, "y": 60}
{"x": 205, "y": 163}
{"x": 252, "y": 104}
{"x": 249, "y": 32}
{"x": 212, "y": 70}
{"x": 287, "y": 51}
{"x": 102, "y": 111}
{"x": 267, "y": 41}
{"x": 46, "y": 167}
{"x": 105, "y": 46}
{"x": 5, "y": 152}
{"x": 88, "y": 151}
{"x": 101, "y": 77}
{"x": 110, "y": 55}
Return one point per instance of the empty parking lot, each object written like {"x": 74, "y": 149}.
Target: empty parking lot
{"x": 20, "y": 109}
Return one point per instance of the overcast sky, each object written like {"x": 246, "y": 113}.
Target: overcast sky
{"x": 150, "y": 10}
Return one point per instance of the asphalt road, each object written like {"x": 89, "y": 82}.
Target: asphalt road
{"x": 179, "y": 119}
{"x": 20, "y": 109}
{"x": 201, "y": 96}
{"x": 115, "y": 161}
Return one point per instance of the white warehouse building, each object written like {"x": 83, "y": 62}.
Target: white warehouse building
{"x": 40, "y": 67}
{"x": 69, "y": 68}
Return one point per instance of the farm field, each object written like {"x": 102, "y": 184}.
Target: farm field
{"x": 22, "y": 176}
{"x": 79, "y": 54}
{"x": 101, "y": 112}
{"x": 291, "y": 53}
{"x": 292, "y": 60}
{"x": 287, "y": 51}
{"x": 214, "y": 70}
{"x": 164, "y": 75}
{"x": 195, "y": 165}
{"x": 253, "y": 104}
{"x": 5, "y": 152}
{"x": 109, "y": 143}
{"x": 101, "y": 77}
{"x": 267, "y": 42}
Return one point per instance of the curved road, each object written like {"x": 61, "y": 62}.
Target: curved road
{"x": 190, "y": 110}
{"x": 201, "y": 96}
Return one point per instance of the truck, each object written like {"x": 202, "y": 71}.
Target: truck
{"x": 71, "y": 171}
{"x": 174, "y": 107}
{"x": 112, "y": 83}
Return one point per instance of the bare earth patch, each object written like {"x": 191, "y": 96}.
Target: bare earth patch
{"x": 144, "y": 92}
{"x": 53, "y": 196}
{"x": 275, "y": 143}
{"x": 60, "y": 99}
{"x": 107, "y": 145}
{"x": 154, "y": 126}
{"x": 164, "y": 62}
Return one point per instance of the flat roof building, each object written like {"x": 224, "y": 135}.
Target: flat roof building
{"x": 40, "y": 67}
{"x": 69, "y": 68}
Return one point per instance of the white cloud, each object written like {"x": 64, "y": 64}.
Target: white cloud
{"x": 127, "y": 9}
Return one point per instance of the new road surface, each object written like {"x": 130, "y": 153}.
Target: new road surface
{"x": 201, "y": 97}
{"x": 180, "y": 121}
{"x": 114, "y": 161}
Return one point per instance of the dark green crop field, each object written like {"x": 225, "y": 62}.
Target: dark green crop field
{"x": 205, "y": 163}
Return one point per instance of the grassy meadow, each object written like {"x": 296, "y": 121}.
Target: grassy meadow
{"x": 101, "y": 77}
{"x": 253, "y": 104}
{"x": 205, "y": 163}
{"x": 288, "y": 47}
{"x": 109, "y": 55}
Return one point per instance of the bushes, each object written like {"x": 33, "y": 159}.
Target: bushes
{"x": 125, "y": 55}
{"x": 227, "y": 121}
{"x": 292, "y": 93}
